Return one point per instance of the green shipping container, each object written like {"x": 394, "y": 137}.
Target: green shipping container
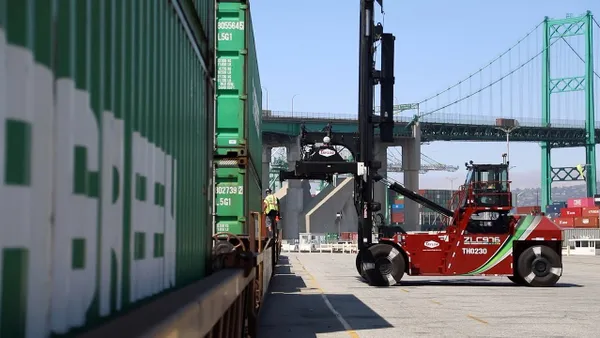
{"x": 106, "y": 140}
{"x": 238, "y": 143}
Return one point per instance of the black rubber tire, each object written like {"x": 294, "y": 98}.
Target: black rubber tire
{"x": 379, "y": 269}
{"x": 359, "y": 264}
{"x": 517, "y": 280}
{"x": 539, "y": 265}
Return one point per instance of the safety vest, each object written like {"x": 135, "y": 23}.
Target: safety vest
{"x": 271, "y": 203}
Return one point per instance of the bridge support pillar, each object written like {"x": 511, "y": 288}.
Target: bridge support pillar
{"x": 411, "y": 164}
{"x": 266, "y": 167}
{"x": 294, "y": 199}
{"x": 380, "y": 192}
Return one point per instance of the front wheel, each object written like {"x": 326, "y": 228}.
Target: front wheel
{"x": 383, "y": 265}
{"x": 359, "y": 264}
{"x": 539, "y": 266}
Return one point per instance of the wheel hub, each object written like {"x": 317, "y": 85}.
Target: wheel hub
{"x": 541, "y": 267}
{"x": 384, "y": 265}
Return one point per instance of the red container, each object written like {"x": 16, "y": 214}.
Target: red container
{"x": 346, "y": 236}
{"x": 585, "y": 222}
{"x": 570, "y": 212}
{"x": 398, "y": 201}
{"x": 528, "y": 210}
{"x": 590, "y": 212}
{"x": 580, "y": 202}
{"x": 564, "y": 222}
{"x": 397, "y": 217}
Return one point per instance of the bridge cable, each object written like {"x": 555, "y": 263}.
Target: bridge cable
{"x": 481, "y": 69}
{"x": 488, "y": 86}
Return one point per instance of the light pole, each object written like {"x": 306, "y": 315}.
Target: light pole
{"x": 517, "y": 198}
{"x": 266, "y": 90}
{"x": 338, "y": 220}
{"x": 293, "y": 103}
{"x": 507, "y": 126}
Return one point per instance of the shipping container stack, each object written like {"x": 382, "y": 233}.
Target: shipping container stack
{"x": 431, "y": 220}
{"x": 579, "y": 213}
{"x": 397, "y": 212}
{"x": 527, "y": 210}
{"x": 553, "y": 210}
{"x": 349, "y": 237}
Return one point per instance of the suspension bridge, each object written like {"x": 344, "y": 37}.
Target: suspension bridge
{"x": 546, "y": 81}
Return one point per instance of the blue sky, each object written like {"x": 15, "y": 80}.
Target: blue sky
{"x": 310, "y": 49}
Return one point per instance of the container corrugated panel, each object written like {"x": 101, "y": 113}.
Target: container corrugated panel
{"x": 239, "y": 92}
{"x": 238, "y": 141}
{"x": 105, "y": 110}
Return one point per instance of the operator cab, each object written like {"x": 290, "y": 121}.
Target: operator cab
{"x": 487, "y": 188}
{"x": 487, "y": 185}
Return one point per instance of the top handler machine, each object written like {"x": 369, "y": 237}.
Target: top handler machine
{"x": 481, "y": 236}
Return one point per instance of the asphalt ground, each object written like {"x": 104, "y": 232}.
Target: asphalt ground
{"x": 321, "y": 295}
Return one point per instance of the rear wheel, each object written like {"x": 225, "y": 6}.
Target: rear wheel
{"x": 517, "y": 280}
{"x": 539, "y": 266}
{"x": 383, "y": 265}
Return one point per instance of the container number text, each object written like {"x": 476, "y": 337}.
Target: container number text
{"x": 230, "y": 190}
{"x": 225, "y": 36}
{"x": 239, "y": 25}
{"x": 222, "y": 227}
{"x": 224, "y": 201}
{"x": 474, "y": 251}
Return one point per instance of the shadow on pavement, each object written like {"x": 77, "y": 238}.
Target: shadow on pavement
{"x": 293, "y": 310}
{"x": 468, "y": 282}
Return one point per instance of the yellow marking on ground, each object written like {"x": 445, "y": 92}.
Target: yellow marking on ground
{"x": 436, "y": 302}
{"x": 404, "y": 290}
{"x": 478, "y": 319}
{"x": 341, "y": 319}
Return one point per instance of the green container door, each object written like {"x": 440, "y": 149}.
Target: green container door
{"x": 106, "y": 143}
{"x": 238, "y": 142}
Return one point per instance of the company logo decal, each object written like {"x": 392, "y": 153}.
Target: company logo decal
{"x": 326, "y": 152}
{"x": 432, "y": 244}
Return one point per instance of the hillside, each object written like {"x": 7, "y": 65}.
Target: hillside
{"x": 559, "y": 194}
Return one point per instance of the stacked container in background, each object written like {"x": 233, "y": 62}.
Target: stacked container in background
{"x": 397, "y": 210}
{"x": 579, "y": 213}
{"x": 349, "y": 237}
{"x": 553, "y": 210}
{"x": 528, "y": 210}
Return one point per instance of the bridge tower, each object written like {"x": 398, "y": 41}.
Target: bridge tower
{"x": 555, "y": 29}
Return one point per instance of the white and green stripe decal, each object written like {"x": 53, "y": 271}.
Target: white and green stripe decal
{"x": 524, "y": 227}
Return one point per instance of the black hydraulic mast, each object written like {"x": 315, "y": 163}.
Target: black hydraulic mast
{"x": 364, "y": 187}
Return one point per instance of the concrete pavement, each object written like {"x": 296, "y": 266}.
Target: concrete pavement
{"x": 320, "y": 295}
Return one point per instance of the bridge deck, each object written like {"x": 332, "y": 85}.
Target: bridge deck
{"x": 557, "y": 135}
{"x": 319, "y": 295}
